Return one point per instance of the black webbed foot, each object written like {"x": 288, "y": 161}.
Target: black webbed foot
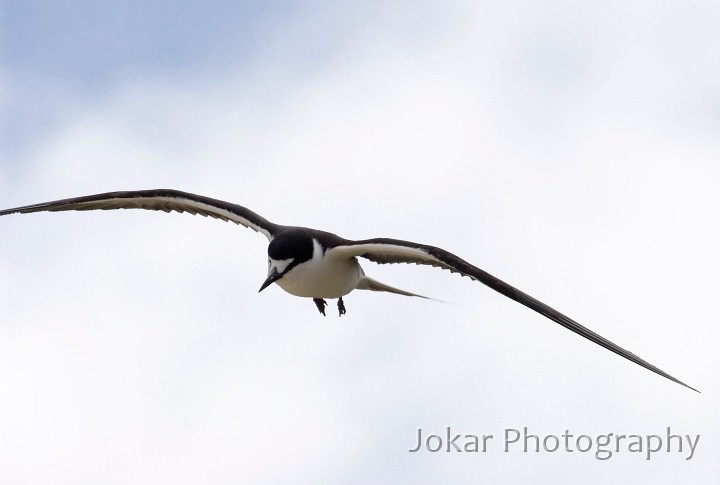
{"x": 341, "y": 307}
{"x": 320, "y": 304}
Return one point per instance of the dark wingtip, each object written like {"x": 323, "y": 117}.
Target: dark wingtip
{"x": 689, "y": 387}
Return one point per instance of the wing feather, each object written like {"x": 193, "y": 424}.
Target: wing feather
{"x": 389, "y": 251}
{"x": 165, "y": 200}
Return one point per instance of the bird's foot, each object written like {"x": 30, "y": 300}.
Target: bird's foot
{"x": 341, "y": 307}
{"x": 320, "y": 304}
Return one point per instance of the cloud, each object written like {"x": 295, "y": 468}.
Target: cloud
{"x": 563, "y": 147}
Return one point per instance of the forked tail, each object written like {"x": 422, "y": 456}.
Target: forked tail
{"x": 367, "y": 283}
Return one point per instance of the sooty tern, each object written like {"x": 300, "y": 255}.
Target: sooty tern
{"x": 317, "y": 264}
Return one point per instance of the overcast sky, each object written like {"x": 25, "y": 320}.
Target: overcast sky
{"x": 569, "y": 148}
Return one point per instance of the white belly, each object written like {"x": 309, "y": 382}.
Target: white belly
{"x": 322, "y": 277}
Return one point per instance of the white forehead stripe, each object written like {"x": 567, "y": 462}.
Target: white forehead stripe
{"x": 280, "y": 264}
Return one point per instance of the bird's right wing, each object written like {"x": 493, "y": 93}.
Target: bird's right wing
{"x": 167, "y": 200}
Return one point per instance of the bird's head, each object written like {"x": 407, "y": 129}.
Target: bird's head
{"x": 286, "y": 251}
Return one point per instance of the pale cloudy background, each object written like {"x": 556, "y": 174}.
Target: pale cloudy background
{"x": 570, "y": 148}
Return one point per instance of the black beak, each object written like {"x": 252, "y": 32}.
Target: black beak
{"x": 272, "y": 278}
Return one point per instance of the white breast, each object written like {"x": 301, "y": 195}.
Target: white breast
{"x": 326, "y": 275}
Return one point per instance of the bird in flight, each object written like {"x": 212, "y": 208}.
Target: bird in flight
{"x": 317, "y": 264}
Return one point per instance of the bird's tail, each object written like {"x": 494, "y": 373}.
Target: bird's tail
{"x": 367, "y": 283}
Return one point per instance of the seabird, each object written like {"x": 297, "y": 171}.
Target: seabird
{"x": 317, "y": 264}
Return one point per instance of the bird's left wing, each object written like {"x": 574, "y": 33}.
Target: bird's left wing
{"x": 388, "y": 251}
{"x": 167, "y": 200}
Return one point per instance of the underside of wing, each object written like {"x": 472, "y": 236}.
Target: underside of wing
{"x": 388, "y": 251}
{"x": 166, "y": 200}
